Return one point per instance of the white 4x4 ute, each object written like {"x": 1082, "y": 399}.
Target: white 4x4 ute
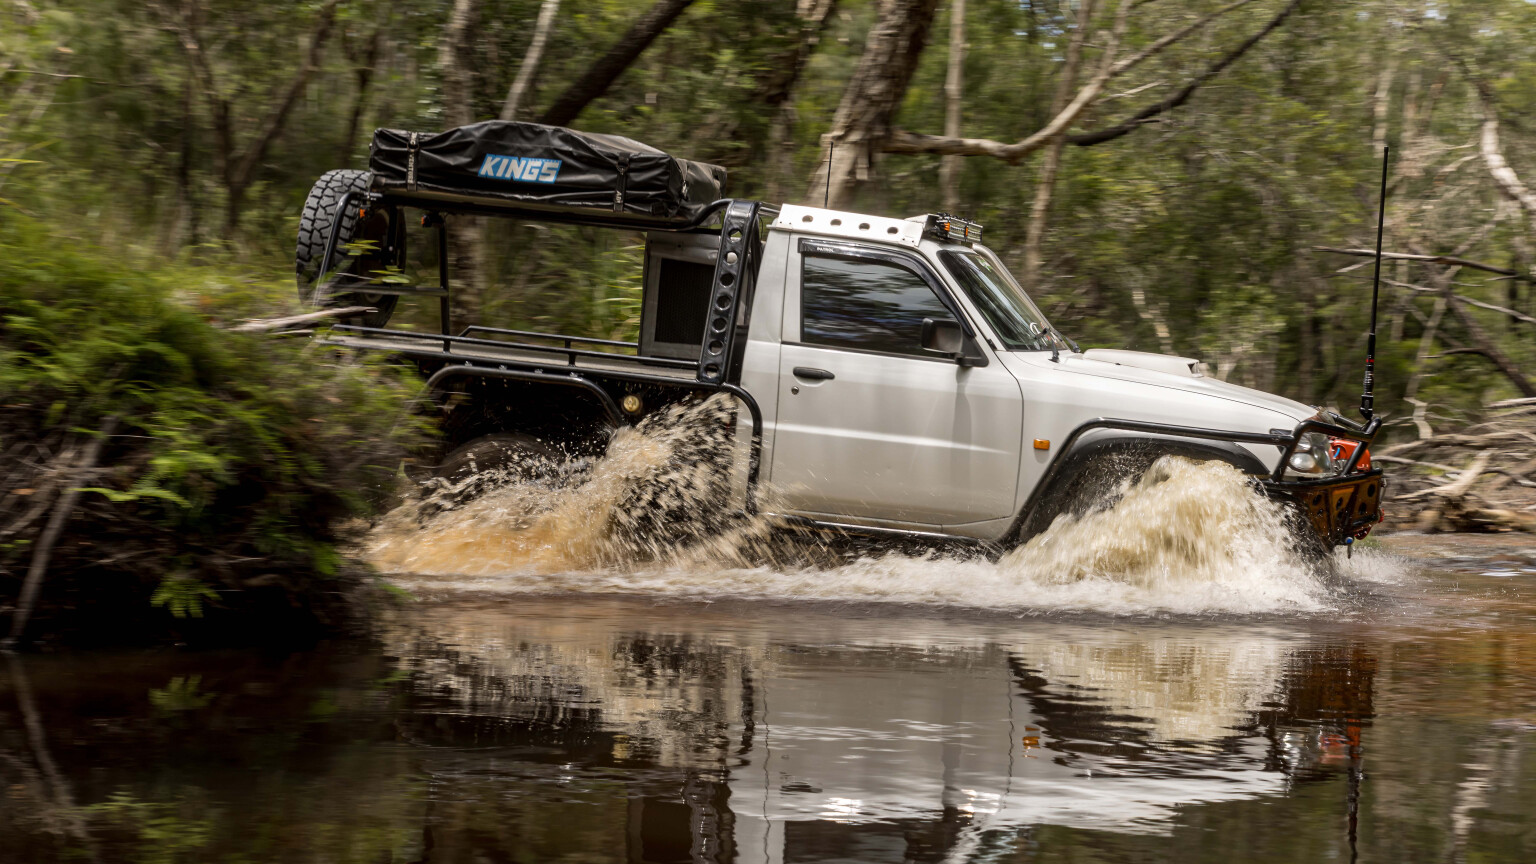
{"x": 897, "y": 377}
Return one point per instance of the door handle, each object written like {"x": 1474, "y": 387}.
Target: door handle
{"x": 810, "y": 374}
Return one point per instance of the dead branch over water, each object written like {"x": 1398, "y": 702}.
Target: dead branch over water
{"x": 1482, "y": 478}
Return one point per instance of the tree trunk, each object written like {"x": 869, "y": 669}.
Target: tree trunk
{"x": 238, "y": 171}
{"x": 466, "y": 242}
{"x": 1045, "y": 186}
{"x": 870, "y": 100}
{"x": 1426, "y": 347}
{"x": 954, "y": 90}
{"x": 775, "y": 92}
{"x": 530, "y": 67}
{"x": 185, "y": 232}
{"x": 1383, "y": 103}
{"x": 363, "y": 73}
{"x": 1508, "y": 181}
{"x": 601, "y": 75}
{"x": 243, "y": 170}
{"x": 453, "y": 58}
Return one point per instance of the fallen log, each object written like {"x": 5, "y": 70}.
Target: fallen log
{"x": 43, "y": 551}
{"x": 269, "y": 325}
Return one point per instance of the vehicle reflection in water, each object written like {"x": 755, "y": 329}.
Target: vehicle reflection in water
{"x": 488, "y": 728}
{"x": 864, "y": 740}
{"x": 619, "y": 729}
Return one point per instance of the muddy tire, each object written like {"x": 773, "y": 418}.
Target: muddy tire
{"x": 1098, "y": 486}
{"x": 315, "y": 230}
{"x": 509, "y": 456}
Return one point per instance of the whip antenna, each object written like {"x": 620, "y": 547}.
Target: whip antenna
{"x": 1368, "y": 398}
{"x": 827, "y": 195}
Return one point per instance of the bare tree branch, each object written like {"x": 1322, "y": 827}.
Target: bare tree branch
{"x": 1518, "y": 316}
{"x": 1135, "y": 121}
{"x": 1448, "y": 260}
{"x": 902, "y": 141}
{"x": 270, "y": 325}
{"x": 42, "y": 551}
{"x": 601, "y": 75}
{"x": 1506, "y": 178}
{"x": 1132, "y": 61}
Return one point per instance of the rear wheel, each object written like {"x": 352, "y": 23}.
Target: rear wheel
{"x": 315, "y": 225}
{"x": 504, "y": 456}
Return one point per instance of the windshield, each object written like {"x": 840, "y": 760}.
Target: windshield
{"x": 1014, "y": 319}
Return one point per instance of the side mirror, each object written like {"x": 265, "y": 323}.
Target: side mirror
{"x": 945, "y": 337}
{"x": 942, "y": 337}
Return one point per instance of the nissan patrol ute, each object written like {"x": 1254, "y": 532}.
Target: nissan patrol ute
{"x": 890, "y": 376}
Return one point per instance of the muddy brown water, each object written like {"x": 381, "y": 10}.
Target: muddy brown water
{"x": 1384, "y": 713}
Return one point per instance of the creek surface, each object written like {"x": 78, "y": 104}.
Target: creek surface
{"x": 1387, "y": 713}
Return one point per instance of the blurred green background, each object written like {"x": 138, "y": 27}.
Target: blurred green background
{"x": 187, "y": 132}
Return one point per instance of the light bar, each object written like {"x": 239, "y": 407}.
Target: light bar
{"x": 947, "y": 227}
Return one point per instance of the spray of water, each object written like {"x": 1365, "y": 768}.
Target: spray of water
{"x": 650, "y": 517}
{"x": 658, "y": 488}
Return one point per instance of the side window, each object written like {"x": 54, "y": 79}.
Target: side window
{"x": 865, "y": 304}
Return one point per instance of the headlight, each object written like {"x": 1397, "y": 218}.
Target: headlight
{"x": 1303, "y": 462}
{"x": 1312, "y": 455}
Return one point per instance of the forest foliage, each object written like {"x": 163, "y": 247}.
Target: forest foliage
{"x": 185, "y": 126}
{"x": 196, "y": 467}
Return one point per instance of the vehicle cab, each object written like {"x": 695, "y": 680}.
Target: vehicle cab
{"x": 908, "y": 383}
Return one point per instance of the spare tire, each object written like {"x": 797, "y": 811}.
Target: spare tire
{"x": 315, "y": 230}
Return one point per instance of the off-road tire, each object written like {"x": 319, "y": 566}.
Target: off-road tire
{"x": 512, "y": 455}
{"x": 315, "y": 229}
{"x": 486, "y": 463}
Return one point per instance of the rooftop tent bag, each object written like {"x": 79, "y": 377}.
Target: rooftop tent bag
{"x": 532, "y": 166}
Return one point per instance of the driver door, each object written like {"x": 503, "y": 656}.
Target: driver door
{"x": 871, "y": 426}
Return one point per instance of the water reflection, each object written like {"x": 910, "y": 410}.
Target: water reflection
{"x": 603, "y": 729}
{"x": 879, "y": 742}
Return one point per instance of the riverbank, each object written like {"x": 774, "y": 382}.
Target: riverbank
{"x": 163, "y": 479}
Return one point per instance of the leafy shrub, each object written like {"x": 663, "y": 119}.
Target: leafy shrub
{"x": 234, "y": 462}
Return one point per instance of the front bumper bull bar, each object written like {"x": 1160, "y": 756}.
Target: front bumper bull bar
{"x": 1341, "y": 507}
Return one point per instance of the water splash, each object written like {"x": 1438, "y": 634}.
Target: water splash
{"x": 661, "y": 487}
{"x": 648, "y": 518}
